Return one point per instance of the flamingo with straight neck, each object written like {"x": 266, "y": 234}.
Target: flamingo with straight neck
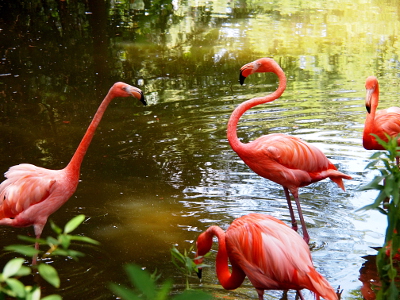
{"x": 268, "y": 252}
{"x": 30, "y": 194}
{"x": 284, "y": 159}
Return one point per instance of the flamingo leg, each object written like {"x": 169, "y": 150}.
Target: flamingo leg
{"x": 260, "y": 294}
{"x": 289, "y": 202}
{"x": 38, "y": 227}
{"x": 34, "y": 258}
{"x": 298, "y": 293}
{"x": 306, "y": 237}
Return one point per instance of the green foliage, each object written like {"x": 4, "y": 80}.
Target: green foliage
{"x": 10, "y": 284}
{"x": 144, "y": 287}
{"x": 184, "y": 263}
{"x": 387, "y": 202}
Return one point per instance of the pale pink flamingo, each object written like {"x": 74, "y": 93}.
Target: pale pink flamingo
{"x": 268, "y": 252}
{"x": 286, "y": 160}
{"x": 30, "y": 194}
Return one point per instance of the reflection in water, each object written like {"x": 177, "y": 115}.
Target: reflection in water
{"x": 162, "y": 175}
{"x": 369, "y": 277}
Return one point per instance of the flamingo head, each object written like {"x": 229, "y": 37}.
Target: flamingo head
{"x": 203, "y": 244}
{"x": 261, "y": 65}
{"x": 121, "y": 89}
{"x": 372, "y": 87}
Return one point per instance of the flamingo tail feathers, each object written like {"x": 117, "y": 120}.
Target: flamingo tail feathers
{"x": 337, "y": 177}
{"x": 321, "y": 287}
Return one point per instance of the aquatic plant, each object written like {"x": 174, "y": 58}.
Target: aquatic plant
{"x": 388, "y": 203}
{"x": 185, "y": 264}
{"x": 144, "y": 287}
{"x": 11, "y": 286}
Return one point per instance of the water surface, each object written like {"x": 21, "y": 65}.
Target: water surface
{"x": 157, "y": 176}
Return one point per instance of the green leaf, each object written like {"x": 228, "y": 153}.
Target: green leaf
{"x": 22, "y": 249}
{"x": 34, "y": 293}
{"x": 49, "y": 274}
{"x": 177, "y": 256}
{"x": 52, "y": 297}
{"x": 123, "y": 292}
{"x": 52, "y": 241}
{"x": 75, "y": 254}
{"x": 381, "y": 197}
{"x": 31, "y": 239}
{"x": 164, "y": 291}
{"x": 74, "y": 223}
{"x": 12, "y": 267}
{"x": 55, "y": 228}
{"x": 389, "y": 183}
{"x": 16, "y": 286}
{"x": 392, "y": 273}
{"x": 141, "y": 280}
{"x": 372, "y": 165}
{"x": 60, "y": 252}
{"x": 377, "y": 155}
{"x": 84, "y": 239}
{"x": 65, "y": 240}
{"x": 23, "y": 271}
{"x": 393, "y": 292}
{"x": 373, "y": 185}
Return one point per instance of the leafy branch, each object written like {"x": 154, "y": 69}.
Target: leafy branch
{"x": 388, "y": 203}
{"x": 10, "y": 284}
{"x": 144, "y": 287}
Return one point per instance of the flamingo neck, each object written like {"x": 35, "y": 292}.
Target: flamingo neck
{"x": 233, "y": 139}
{"x": 228, "y": 280}
{"x": 370, "y": 121}
{"x": 76, "y": 160}
{"x": 374, "y": 102}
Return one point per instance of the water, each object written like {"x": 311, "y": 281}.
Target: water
{"x": 157, "y": 176}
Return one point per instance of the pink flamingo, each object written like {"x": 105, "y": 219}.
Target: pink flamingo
{"x": 268, "y": 252}
{"x": 385, "y": 121}
{"x": 284, "y": 159}
{"x": 30, "y": 194}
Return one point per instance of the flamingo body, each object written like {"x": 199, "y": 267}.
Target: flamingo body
{"x": 30, "y": 194}
{"x": 380, "y": 123}
{"x": 284, "y": 159}
{"x": 268, "y": 252}
{"x": 288, "y": 161}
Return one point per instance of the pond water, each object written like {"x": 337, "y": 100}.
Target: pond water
{"x": 157, "y": 176}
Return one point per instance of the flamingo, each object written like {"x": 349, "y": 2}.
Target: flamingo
{"x": 286, "y": 160}
{"x": 380, "y": 123}
{"x": 268, "y": 252}
{"x": 30, "y": 194}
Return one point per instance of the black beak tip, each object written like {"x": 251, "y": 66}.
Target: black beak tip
{"x": 368, "y": 109}
{"x": 142, "y": 99}
{"x": 241, "y": 79}
{"x": 199, "y": 273}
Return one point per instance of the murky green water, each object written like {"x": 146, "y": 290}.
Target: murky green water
{"x": 157, "y": 176}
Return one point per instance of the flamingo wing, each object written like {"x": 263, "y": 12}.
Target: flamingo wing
{"x": 387, "y": 123}
{"x": 289, "y": 161}
{"x": 25, "y": 186}
{"x": 294, "y": 153}
{"x": 272, "y": 255}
